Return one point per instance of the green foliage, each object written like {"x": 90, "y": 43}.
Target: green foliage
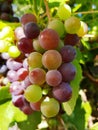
{"x": 31, "y": 122}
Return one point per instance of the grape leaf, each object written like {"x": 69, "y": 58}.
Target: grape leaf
{"x": 69, "y": 106}
{"x": 31, "y": 123}
{"x": 8, "y": 114}
{"x": 77, "y": 119}
{"x": 4, "y": 94}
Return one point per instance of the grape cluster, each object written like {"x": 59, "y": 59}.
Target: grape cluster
{"x": 40, "y": 66}
{"x": 6, "y": 11}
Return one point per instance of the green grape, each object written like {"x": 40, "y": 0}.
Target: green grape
{"x": 58, "y": 26}
{"x": 4, "y": 45}
{"x": 33, "y": 93}
{"x": 60, "y": 45}
{"x": 72, "y": 25}
{"x": 64, "y": 12}
{"x": 13, "y": 51}
{"x": 35, "y": 60}
{"x": 37, "y": 46}
{"x": 83, "y": 29}
{"x": 50, "y": 107}
{"x": 6, "y": 32}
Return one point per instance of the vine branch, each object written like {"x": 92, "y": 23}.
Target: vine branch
{"x": 95, "y": 80}
{"x": 87, "y": 12}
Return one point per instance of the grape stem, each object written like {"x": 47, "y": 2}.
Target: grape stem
{"x": 87, "y": 12}
{"x": 47, "y": 10}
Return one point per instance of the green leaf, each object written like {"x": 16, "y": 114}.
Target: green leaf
{"x": 95, "y": 126}
{"x": 4, "y": 94}
{"x": 69, "y": 106}
{"x": 31, "y": 122}
{"x": 76, "y": 121}
{"x": 8, "y": 114}
{"x": 88, "y": 111}
{"x": 76, "y": 7}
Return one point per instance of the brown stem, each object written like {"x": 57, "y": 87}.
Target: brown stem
{"x": 47, "y": 10}
{"x": 62, "y": 122}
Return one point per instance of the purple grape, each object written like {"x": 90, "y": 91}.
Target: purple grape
{"x": 3, "y": 69}
{"x": 68, "y": 71}
{"x": 5, "y": 56}
{"x": 62, "y": 92}
{"x": 31, "y": 30}
{"x": 68, "y": 53}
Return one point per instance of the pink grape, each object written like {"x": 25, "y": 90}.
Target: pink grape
{"x": 53, "y": 77}
{"x": 48, "y": 39}
{"x": 13, "y": 64}
{"x": 28, "y": 17}
{"x": 37, "y": 76}
{"x": 22, "y": 73}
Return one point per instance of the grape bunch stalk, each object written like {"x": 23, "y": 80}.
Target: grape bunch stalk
{"x": 40, "y": 63}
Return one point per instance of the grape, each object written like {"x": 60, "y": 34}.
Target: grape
{"x": 27, "y": 82}
{"x": 17, "y": 88}
{"x": 51, "y": 59}
{"x": 4, "y": 46}
{"x": 5, "y": 55}
{"x": 13, "y": 64}
{"x": 13, "y": 51}
{"x": 33, "y": 93}
{"x": 27, "y": 109}
{"x": 60, "y": 45}
{"x": 18, "y": 100}
{"x": 31, "y": 30}
{"x": 35, "y": 60}
{"x": 71, "y": 39}
{"x": 35, "y": 106}
{"x": 64, "y": 11}
{"x": 28, "y": 17}
{"x": 19, "y": 33}
{"x": 83, "y": 29}
{"x": 68, "y": 71}
{"x": 22, "y": 73}
{"x": 68, "y": 53}
{"x": 72, "y": 25}
{"x": 37, "y": 76}
{"x": 50, "y": 107}
{"x": 48, "y": 39}
{"x": 62, "y": 92}
{"x": 25, "y": 45}
{"x": 25, "y": 63}
{"x": 37, "y": 46}
{"x": 3, "y": 69}
{"x": 53, "y": 77}
{"x": 58, "y": 26}
{"x": 12, "y": 75}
